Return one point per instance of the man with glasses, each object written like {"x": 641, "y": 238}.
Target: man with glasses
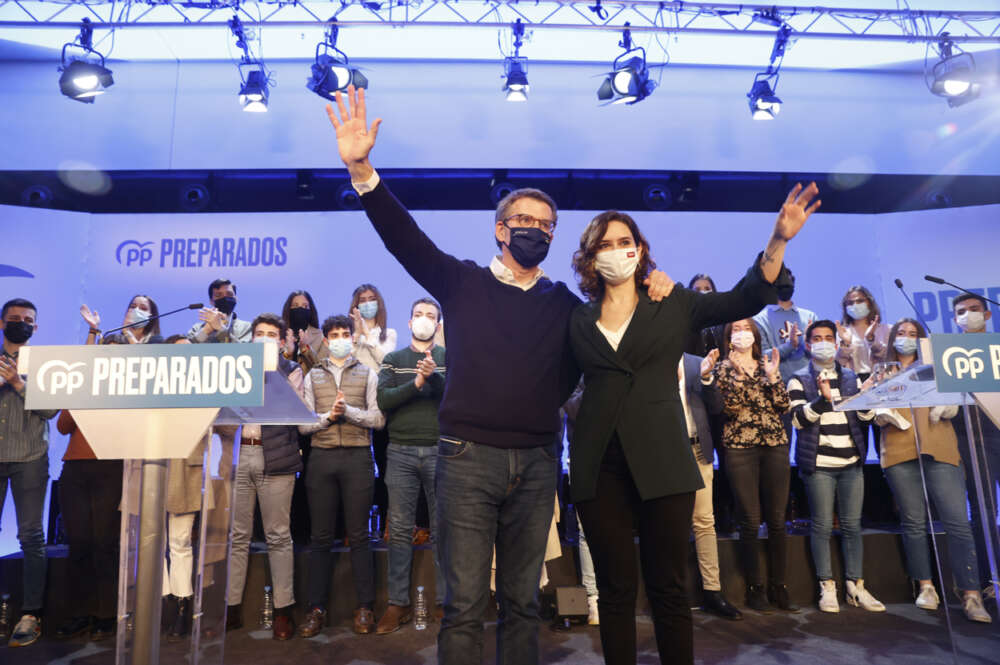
{"x": 510, "y": 369}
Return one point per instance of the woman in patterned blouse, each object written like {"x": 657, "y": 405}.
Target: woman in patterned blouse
{"x": 746, "y": 387}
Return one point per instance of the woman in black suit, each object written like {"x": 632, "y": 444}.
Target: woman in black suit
{"x": 631, "y": 456}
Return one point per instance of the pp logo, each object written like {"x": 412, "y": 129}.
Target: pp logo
{"x": 64, "y": 377}
{"x": 966, "y": 362}
{"x": 135, "y": 252}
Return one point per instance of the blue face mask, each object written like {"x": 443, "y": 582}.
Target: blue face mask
{"x": 905, "y": 346}
{"x": 340, "y": 347}
{"x": 368, "y": 309}
{"x": 858, "y": 311}
{"x": 824, "y": 352}
{"x": 529, "y": 247}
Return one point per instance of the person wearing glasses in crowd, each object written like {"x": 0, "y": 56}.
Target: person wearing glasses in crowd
{"x": 632, "y": 456}
{"x": 941, "y": 465}
{"x": 510, "y": 371}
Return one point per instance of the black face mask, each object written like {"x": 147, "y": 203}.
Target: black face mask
{"x": 529, "y": 247}
{"x": 17, "y": 332}
{"x": 225, "y": 305}
{"x": 299, "y": 318}
{"x": 785, "y": 293}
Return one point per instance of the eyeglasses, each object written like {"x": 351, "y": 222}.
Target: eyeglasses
{"x": 530, "y": 222}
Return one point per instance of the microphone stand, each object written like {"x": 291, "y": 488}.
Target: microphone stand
{"x": 938, "y": 280}
{"x": 899, "y": 285}
{"x": 143, "y": 324}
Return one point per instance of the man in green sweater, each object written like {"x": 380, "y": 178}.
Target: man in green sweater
{"x": 410, "y": 388}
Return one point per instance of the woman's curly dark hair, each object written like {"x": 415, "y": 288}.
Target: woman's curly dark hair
{"x": 590, "y": 281}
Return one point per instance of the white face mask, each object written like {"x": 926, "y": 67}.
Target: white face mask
{"x": 824, "y": 352}
{"x": 858, "y": 311}
{"x": 340, "y": 347}
{"x": 423, "y": 328}
{"x": 905, "y": 346}
{"x": 971, "y": 321}
{"x": 617, "y": 265}
{"x": 742, "y": 340}
{"x": 136, "y": 315}
{"x": 264, "y": 339}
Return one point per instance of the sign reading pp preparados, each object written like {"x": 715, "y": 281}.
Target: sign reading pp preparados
{"x": 967, "y": 363}
{"x": 144, "y": 376}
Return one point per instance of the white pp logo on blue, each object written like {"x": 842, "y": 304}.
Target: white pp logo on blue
{"x": 967, "y": 363}
{"x": 58, "y": 377}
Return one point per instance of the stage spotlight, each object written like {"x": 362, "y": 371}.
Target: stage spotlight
{"x": 515, "y": 68}
{"x": 83, "y": 77}
{"x": 254, "y": 77}
{"x": 629, "y": 81}
{"x": 954, "y": 76}
{"x": 764, "y": 104}
{"x": 764, "y": 101}
{"x": 253, "y": 92}
{"x": 331, "y": 71}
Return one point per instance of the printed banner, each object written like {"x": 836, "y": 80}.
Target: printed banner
{"x": 967, "y": 363}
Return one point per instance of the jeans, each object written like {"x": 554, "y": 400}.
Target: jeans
{"x": 29, "y": 481}
{"x": 89, "y": 493}
{"x": 664, "y": 524}
{"x": 588, "y": 578}
{"x": 847, "y": 486}
{"x": 490, "y": 497}
{"x": 706, "y": 543}
{"x": 760, "y": 476}
{"x": 338, "y": 476}
{"x": 946, "y": 488}
{"x": 274, "y": 493}
{"x": 409, "y": 468}
{"x": 989, "y": 473}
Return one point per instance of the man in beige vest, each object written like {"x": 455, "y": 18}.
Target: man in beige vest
{"x": 343, "y": 394}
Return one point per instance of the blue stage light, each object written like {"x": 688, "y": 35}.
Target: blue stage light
{"x": 628, "y": 82}
{"x": 84, "y": 76}
{"x": 331, "y": 72}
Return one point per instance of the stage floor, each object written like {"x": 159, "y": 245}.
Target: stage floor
{"x": 904, "y": 635}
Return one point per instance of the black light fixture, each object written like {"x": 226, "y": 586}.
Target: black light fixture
{"x": 628, "y": 81}
{"x": 515, "y": 68}
{"x": 84, "y": 76}
{"x": 332, "y": 71}
{"x": 764, "y": 101}
{"x": 954, "y": 75}
{"x": 254, "y": 77}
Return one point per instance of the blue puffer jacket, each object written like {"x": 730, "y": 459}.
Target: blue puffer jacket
{"x": 807, "y": 442}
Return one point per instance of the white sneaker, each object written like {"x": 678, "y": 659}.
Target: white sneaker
{"x": 859, "y": 596}
{"x": 928, "y": 598}
{"x": 974, "y": 611}
{"x": 593, "y": 616}
{"x": 828, "y": 596}
{"x": 29, "y": 629}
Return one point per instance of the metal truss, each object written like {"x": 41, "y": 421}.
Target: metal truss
{"x": 696, "y": 18}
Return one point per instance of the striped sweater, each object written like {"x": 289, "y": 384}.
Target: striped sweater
{"x": 836, "y": 449}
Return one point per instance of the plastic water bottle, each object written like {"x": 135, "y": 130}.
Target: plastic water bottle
{"x": 267, "y": 610}
{"x": 420, "y": 611}
{"x": 5, "y": 615}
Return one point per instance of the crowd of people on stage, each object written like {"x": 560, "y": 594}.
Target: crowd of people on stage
{"x": 653, "y": 380}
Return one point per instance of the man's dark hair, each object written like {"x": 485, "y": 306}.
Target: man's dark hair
{"x": 962, "y": 297}
{"x": 337, "y": 321}
{"x": 173, "y": 339}
{"x": 271, "y": 320}
{"x": 425, "y": 301}
{"x": 18, "y": 302}
{"x": 218, "y": 284}
{"x": 821, "y": 323}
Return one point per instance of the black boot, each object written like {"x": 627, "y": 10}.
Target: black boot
{"x": 234, "y": 617}
{"x": 168, "y": 612}
{"x": 778, "y": 595}
{"x": 181, "y": 627}
{"x": 715, "y": 603}
{"x": 72, "y": 628}
{"x": 757, "y": 599}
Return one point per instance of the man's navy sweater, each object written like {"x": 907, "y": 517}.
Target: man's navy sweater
{"x": 510, "y": 367}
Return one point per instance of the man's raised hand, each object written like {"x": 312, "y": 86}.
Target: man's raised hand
{"x": 355, "y": 139}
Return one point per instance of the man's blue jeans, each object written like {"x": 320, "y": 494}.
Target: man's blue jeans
{"x": 409, "y": 469}
{"x": 946, "y": 488}
{"x": 29, "y": 482}
{"x": 847, "y": 488}
{"x": 490, "y": 496}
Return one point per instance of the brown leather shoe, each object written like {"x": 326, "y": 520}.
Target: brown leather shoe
{"x": 315, "y": 622}
{"x": 394, "y": 617}
{"x": 364, "y": 621}
{"x": 284, "y": 627}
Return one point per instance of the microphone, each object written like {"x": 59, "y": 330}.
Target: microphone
{"x": 899, "y": 285}
{"x": 143, "y": 324}
{"x": 938, "y": 280}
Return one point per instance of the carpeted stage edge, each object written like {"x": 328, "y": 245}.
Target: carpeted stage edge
{"x": 902, "y": 635}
